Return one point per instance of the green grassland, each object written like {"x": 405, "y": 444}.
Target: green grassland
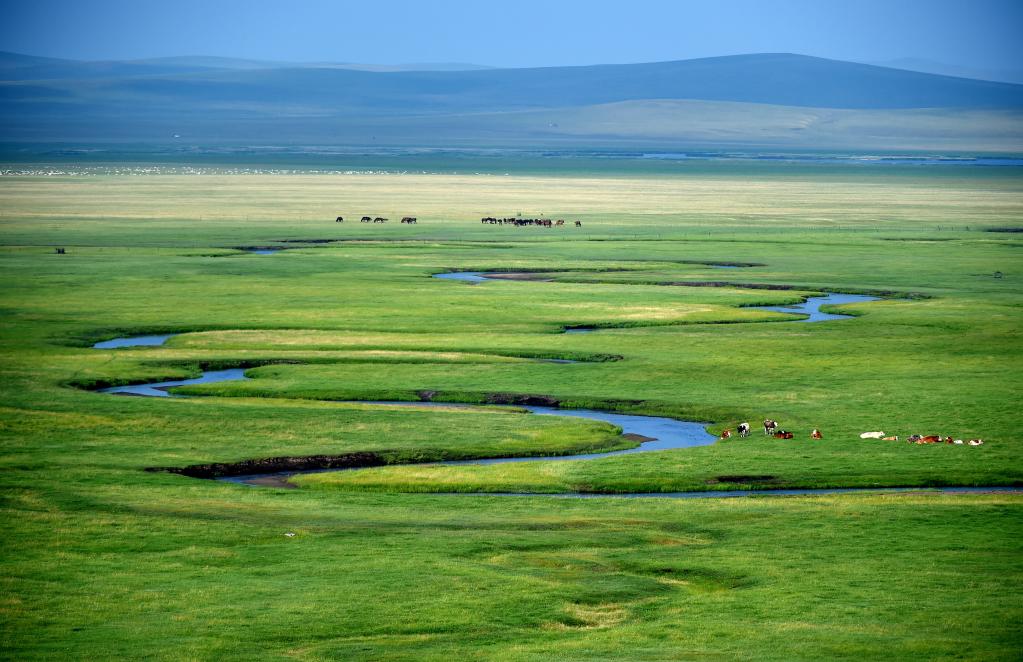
{"x": 106, "y": 560}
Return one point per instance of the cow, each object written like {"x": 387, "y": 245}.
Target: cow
{"x": 931, "y": 438}
{"x": 339, "y": 219}
{"x": 365, "y": 219}
{"x": 913, "y": 438}
{"x": 379, "y": 219}
{"x": 769, "y": 426}
{"x": 783, "y": 434}
{"x": 743, "y": 429}
{"x": 816, "y": 434}
{"x": 975, "y": 442}
{"x": 578, "y": 224}
{"x": 895, "y": 438}
{"x": 726, "y": 434}
{"x": 559, "y": 222}
{"x": 957, "y": 442}
{"x": 409, "y": 219}
{"x": 60, "y": 251}
{"x": 872, "y": 435}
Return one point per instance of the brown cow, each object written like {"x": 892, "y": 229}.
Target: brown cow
{"x": 726, "y": 434}
{"x": 783, "y": 434}
{"x": 816, "y": 434}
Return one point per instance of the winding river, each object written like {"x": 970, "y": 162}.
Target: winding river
{"x": 655, "y": 433}
{"x": 811, "y": 307}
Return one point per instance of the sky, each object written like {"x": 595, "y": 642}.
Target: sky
{"x": 973, "y": 33}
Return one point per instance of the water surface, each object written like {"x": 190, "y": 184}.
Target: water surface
{"x": 158, "y": 389}
{"x": 812, "y": 306}
{"x": 134, "y": 341}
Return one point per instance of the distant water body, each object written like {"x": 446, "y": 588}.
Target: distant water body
{"x": 42, "y": 160}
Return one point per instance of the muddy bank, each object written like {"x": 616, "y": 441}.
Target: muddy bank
{"x": 271, "y": 465}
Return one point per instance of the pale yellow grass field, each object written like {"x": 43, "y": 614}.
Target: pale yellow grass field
{"x": 311, "y": 200}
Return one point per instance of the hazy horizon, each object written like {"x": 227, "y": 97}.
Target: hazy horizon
{"x": 980, "y": 35}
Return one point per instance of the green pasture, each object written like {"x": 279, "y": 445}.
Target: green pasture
{"x": 102, "y": 559}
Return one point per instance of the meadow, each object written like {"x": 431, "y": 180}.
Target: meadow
{"x": 104, "y": 559}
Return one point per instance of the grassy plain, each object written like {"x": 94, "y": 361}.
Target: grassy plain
{"x": 102, "y": 559}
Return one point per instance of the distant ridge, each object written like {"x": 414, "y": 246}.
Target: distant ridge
{"x": 210, "y": 96}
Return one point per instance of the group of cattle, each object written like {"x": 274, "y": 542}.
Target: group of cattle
{"x": 922, "y": 439}
{"x": 379, "y": 219}
{"x": 770, "y": 429}
{"x": 519, "y": 222}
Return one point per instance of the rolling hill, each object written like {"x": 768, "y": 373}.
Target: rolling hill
{"x": 772, "y": 99}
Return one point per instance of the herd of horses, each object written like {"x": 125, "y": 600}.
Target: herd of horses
{"x": 379, "y": 219}
{"x": 520, "y": 222}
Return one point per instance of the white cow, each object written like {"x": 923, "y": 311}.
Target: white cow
{"x": 872, "y": 435}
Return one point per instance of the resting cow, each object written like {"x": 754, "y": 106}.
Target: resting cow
{"x": 783, "y": 434}
{"x": 872, "y": 435}
{"x": 726, "y": 434}
{"x": 816, "y": 434}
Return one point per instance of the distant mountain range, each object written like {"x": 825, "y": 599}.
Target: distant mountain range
{"x": 763, "y": 99}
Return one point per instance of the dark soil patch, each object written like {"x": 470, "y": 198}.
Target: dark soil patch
{"x": 1003, "y": 230}
{"x": 632, "y": 436}
{"x": 271, "y": 465}
{"x": 521, "y": 399}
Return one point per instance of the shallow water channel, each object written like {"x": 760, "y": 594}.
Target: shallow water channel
{"x": 658, "y": 433}
{"x": 662, "y": 434}
{"x": 811, "y": 307}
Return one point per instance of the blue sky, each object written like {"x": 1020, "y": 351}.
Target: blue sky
{"x": 976, "y": 33}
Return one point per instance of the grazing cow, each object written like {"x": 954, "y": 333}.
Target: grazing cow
{"x": 783, "y": 434}
{"x": 408, "y": 219}
{"x": 60, "y": 251}
{"x": 379, "y": 219}
{"x": 726, "y": 434}
{"x": 578, "y": 224}
{"x": 743, "y": 429}
{"x": 975, "y": 442}
{"x": 365, "y": 219}
{"x": 769, "y": 426}
{"x": 559, "y": 222}
{"x": 872, "y": 435}
{"x": 339, "y": 219}
{"x": 816, "y": 434}
{"x": 895, "y": 438}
